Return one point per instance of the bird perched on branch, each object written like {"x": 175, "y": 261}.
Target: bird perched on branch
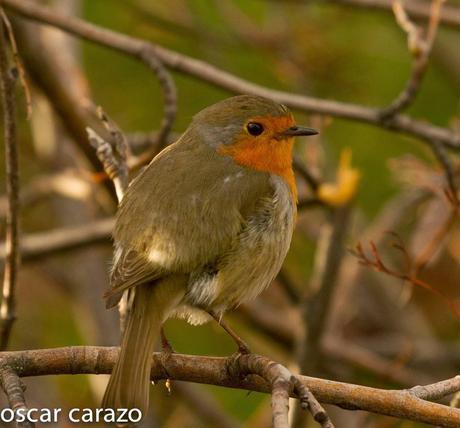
{"x": 206, "y": 226}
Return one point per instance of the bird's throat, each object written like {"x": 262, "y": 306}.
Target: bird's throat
{"x": 273, "y": 156}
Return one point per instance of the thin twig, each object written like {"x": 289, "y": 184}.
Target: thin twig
{"x": 417, "y": 9}
{"x": 113, "y": 160}
{"x": 14, "y": 390}
{"x": 7, "y": 82}
{"x": 206, "y": 72}
{"x": 18, "y": 62}
{"x": 437, "y": 390}
{"x": 114, "y": 154}
{"x": 306, "y": 174}
{"x": 309, "y": 402}
{"x": 159, "y": 139}
{"x": 375, "y": 261}
{"x": 420, "y": 47}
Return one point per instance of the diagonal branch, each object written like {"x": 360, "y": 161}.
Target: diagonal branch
{"x": 222, "y": 79}
{"x": 17, "y": 61}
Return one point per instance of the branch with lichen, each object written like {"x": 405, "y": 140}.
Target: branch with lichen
{"x": 113, "y": 155}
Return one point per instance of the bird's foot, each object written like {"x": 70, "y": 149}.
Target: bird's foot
{"x": 167, "y": 351}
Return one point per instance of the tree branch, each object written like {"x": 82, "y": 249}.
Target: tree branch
{"x": 219, "y": 371}
{"x": 450, "y": 15}
{"x": 14, "y": 390}
{"x": 420, "y": 47}
{"x": 222, "y": 79}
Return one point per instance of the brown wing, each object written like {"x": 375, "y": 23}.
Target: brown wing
{"x": 129, "y": 270}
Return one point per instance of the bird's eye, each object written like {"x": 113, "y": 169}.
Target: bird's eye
{"x": 255, "y": 128}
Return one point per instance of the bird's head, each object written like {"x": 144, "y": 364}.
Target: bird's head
{"x": 255, "y": 132}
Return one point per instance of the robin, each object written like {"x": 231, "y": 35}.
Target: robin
{"x": 205, "y": 227}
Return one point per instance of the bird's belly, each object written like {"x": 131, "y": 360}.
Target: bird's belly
{"x": 255, "y": 267}
{"x": 253, "y": 262}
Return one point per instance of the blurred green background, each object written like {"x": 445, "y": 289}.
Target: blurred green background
{"x": 320, "y": 49}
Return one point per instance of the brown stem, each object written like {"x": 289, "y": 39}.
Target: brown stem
{"x": 421, "y": 59}
{"x": 14, "y": 390}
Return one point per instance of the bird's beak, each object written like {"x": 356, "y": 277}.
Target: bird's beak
{"x": 296, "y": 131}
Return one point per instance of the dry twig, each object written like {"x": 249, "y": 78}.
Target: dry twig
{"x": 420, "y": 47}
{"x": 305, "y": 174}
{"x": 17, "y": 61}
{"x": 113, "y": 155}
{"x": 14, "y": 390}
{"x": 159, "y": 139}
{"x": 437, "y": 390}
{"x": 375, "y": 261}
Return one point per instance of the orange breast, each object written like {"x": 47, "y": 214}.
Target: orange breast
{"x": 262, "y": 154}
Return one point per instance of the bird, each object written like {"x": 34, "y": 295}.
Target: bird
{"x": 203, "y": 228}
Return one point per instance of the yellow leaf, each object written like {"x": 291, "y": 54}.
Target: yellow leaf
{"x": 346, "y": 185}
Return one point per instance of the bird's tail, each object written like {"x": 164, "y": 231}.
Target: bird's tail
{"x": 129, "y": 383}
